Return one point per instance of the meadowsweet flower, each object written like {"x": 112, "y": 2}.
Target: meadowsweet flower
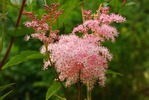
{"x": 99, "y": 25}
{"x": 79, "y": 58}
{"x": 103, "y": 31}
{"x": 87, "y": 14}
{"x": 41, "y": 26}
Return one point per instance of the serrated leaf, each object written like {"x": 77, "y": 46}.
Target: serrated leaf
{"x": 5, "y": 86}
{"x": 52, "y": 90}
{"x": 2, "y": 97}
{"x": 22, "y": 57}
{"x": 113, "y": 72}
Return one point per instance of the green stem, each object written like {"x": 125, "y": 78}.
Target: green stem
{"x": 3, "y": 24}
{"x": 89, "y": 96}
{"x": 48, "y": 55}
{"x": 45, "y": 1}
{"x": 79, "y": 90}
{"x": 124, "y": 2}
{"x": 82, "y": 10}
{"x": 12, "y": 38}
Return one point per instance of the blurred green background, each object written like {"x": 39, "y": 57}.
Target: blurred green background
{"x": 130, "y": 51}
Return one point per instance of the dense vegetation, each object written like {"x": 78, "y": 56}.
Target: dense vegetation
{"x": 130, "y": 51}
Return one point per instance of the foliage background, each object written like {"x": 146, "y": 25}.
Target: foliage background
{"x": 130, "y": 52}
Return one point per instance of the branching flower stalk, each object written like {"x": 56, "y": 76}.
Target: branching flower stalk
{"x": 41, "y": 32}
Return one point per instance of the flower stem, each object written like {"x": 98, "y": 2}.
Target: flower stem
{"x": 3, "y": 24}
{"x": 79, "y": 87}
{"x": 79, "y": 90}
{"x": 48, "y": 55}
{"x": 12, "y": 38}
{"x": 89, "y": 96}
{"x": 124, "y": 2}
{"x": 82, "y": 10}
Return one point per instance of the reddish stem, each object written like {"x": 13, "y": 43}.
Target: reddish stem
{"x": 124, "y": 1}
{"x": 12, "y": 38}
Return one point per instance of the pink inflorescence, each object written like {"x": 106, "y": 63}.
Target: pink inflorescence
{"x": 76, "y": 58}
{"x": 79, "y": 58}
{"x": 85, "y": 59}
{"x": 99, "y": 25}
{"x": 40, "y": 25}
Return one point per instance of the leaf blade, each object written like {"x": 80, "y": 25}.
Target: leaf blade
{"x": 22, "y": 57}
{"x": 52, "y": 89}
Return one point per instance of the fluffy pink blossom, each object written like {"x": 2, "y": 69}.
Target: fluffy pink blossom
{"x": 41, "y": 26}
{"x": 108, "y": 19}
{"x": 40, "y": 36}
{"x": 100, "y": 24}
{"x": 101, "y": 31}
{"x": 79, "y": 58}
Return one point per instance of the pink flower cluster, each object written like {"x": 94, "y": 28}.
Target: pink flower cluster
{"x": 41, "y": 27}
{"x": 84, "y": 58}
{"x": 100, "y": 24}
{"x": 79, "y": 58}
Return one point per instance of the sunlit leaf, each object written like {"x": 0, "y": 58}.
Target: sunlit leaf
{"x": 22, "y": 57}
{"x": 52, "y": 90}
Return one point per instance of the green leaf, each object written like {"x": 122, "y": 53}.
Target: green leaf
{"x": 22, "y": 57}
{"x": 5, "y": 86}
{"x": 130, "y": 3}
{"x": 16, "y": 2}
{"x": 61, "y": 98}
{"x": 68, "y": 7}
{"x": 36, "y": 55}
{"x": 19, "y": 2}
{"x": 40, "y": 84}
{"x": 115, "y": 5}
{"x": 105, "y": 4}
{"x": 21, "y": 31}
{"x": 113, "y": 73}
{"x": 28, "y": 2}
{"x": 2, "y": 97}
{"x": 52, "y": 90}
